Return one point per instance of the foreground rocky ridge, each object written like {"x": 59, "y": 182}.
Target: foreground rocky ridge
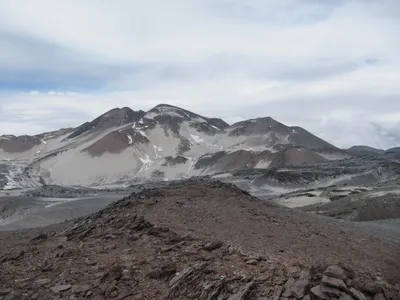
{"x": 198, "y": 240}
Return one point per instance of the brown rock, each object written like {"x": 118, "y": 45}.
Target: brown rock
{"x": 335, "y": 272}
{"x": 334, "y": 282}
{"x": 357, "y": 294}
{"x": 318, "y": 293}
{"x": 331, "y": 291}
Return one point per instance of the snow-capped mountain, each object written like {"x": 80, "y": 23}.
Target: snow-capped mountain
{"x": 124, "y": 146}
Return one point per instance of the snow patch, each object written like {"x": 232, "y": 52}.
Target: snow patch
{"x": 215, "y": 127}
{"x": 44, "y": 142}
{"x": 196, "y": 138}
{"x": 130, "y": 139}
{"x": 146, "y": 163}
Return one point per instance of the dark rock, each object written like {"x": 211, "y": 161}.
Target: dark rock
{"x": 5, "y": 292}
{"x": 213, "y": 245}
{"x": 42, "y": 236}
{"x": 61, "y": 288}
{"x": 115, "y": 273}
{"x": 14, "y": 257}
{"x": 336, "y": 272}
{"x": 371, "y": 287}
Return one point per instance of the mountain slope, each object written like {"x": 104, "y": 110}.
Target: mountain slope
{"x": 123, "y": 146}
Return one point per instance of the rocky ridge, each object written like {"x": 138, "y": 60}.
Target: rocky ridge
{"x": 127, "y": 251}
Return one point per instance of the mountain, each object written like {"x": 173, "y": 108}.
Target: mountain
{"x": 124, "y": 146}
{"x": 362, "y": 149}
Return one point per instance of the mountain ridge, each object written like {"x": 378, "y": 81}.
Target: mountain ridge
{"x": 167, "y": 142}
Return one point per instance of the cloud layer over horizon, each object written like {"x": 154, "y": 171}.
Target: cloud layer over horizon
{"x": 331, "y": 67}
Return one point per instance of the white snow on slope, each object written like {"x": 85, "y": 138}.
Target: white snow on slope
{"x": 130, "y": 139}
{"x": 196, "y": 138}
{"x": 142, "y": 133}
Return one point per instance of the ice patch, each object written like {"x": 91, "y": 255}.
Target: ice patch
{"x": 196, "y": 138}
{"x": 130, "y": 139}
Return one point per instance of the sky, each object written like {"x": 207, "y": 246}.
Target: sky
{"x": 332, "y": 66}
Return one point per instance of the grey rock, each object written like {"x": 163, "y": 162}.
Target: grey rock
{"x": 243, "y": 292}
{"x": 61, "y": 288}
{"x": 357, "y": 294}
{"x": 334, "y": 282}
{"x": 336, "y": 272}
{"x": 80, "y": 288}
{"x": 181, "y": 276}
{"x": 346, "y": 297}
{"x": 43, "y": 281}
{"x": 316, "y": 291}
{"x": 252, "y": 262}
{"x": 295, "y": 288}
{"x": 330, "y": 291}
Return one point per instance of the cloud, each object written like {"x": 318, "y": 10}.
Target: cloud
{"x": 330, "y": 66}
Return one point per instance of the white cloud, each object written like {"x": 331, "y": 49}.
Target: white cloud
{"x": 330, "y": 66}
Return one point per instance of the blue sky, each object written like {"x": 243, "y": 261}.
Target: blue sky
{"x": 330, "y": 66}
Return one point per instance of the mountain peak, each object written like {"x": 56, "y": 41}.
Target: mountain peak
{"x": 112, "y": 118}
